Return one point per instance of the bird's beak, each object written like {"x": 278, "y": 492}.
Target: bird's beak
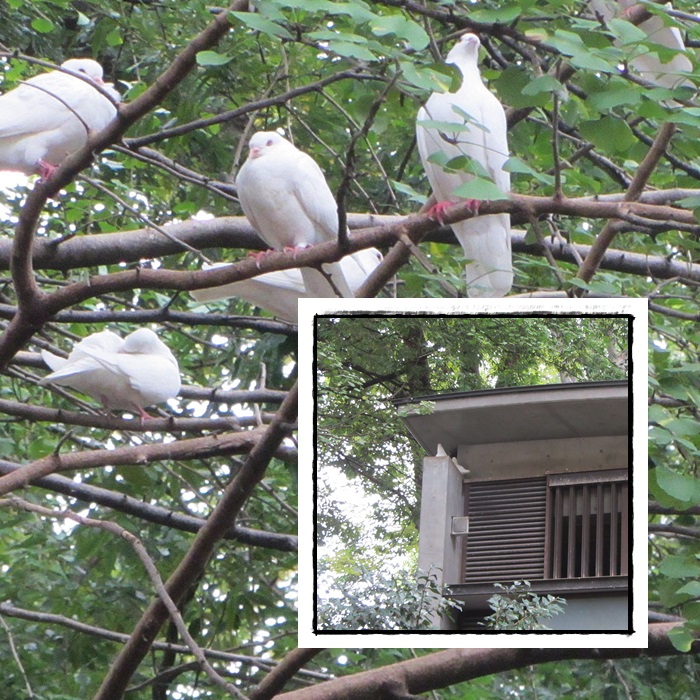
{"x": 99, "y": 81}
{"x": 255, "y": 152}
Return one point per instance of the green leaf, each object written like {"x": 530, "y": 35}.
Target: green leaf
{"x": 515, "y": 165}
{"x": 681, "y": 639}
{"x": 447, "y": 127}
{"x": 351, "y": 50}
{"x": 435, "y": 77}
{"x": 114, "y": 38}
{"x": 682, "y": 427}
{"x": 608, "y": 133}
{"x": 212, "y": 58}
{"x": 675, "y": 566}
{"x": 689, "y": 203}
{"x": 255, "y": 21}
{"x": 401, "y": 27}
{"x": 681, "y": 487}
{"x": 571, "y": 44}
{"x": 691, "y": 589}
{"x": 42, "y": 25}
{"x": 503, "y": 15}
{"x": 481, "y": 189}
{"x": 510, "y": 85}
{"x": 626, "y": 32}
{"x": 407, "y": 190}
{"x": 619, "y": 95}
{"x": 545, "y": 83}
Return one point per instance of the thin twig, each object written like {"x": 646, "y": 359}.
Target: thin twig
{"x": 15, "y": 656}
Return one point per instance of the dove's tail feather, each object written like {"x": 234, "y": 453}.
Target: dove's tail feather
{"x": 486, "y": 244}
{"x": 53, "y": 361}
{"x": 67, "y": 369}
{"x": 319, "y": 285}
{"x": 277, "y": 292}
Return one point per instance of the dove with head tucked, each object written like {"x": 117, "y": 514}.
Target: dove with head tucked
{"x": 646, "y": 61}
{"x": 482, "y": 138}
{"x": 286, "y": 198}
{"x": 125, "y": 374}
{"x": 278, "y": 292}
{"x": 49, "y": 116}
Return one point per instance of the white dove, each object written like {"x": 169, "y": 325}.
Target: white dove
{"x": 38, "y": 122}
{"x": 648, "y": 65}
{"x": 286, "y": 198}
{"x": 127, "y": 374}
{"x": 279, "y": 291}
{"x": 482, "y": 138}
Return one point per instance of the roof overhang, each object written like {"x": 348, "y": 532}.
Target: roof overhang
{"x": 518, "y": 414}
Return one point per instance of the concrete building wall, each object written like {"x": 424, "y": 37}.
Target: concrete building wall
{"x": 601, "y": 613}
{"x": 441, "y": 498}
{"x": 513, "y": 460}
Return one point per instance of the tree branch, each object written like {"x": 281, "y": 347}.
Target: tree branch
{"x": 194, "y": 448}
{"x": 445, "y": 668}
{"x": 154, "y": 514}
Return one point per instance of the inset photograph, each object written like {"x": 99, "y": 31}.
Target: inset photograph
{"x": 473, "y": 476}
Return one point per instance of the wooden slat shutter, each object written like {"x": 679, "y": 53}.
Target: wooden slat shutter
{"x": 507, "y": 521}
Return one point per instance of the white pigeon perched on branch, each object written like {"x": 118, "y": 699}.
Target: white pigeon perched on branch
{"x": 482, "y": 138}
{"x": 279, "y": 291}
{"x": 125, "y": 374}
{"x": 49, "y": 117}
{"x": 286, "y": 198}
{"x": 646, "y": 62}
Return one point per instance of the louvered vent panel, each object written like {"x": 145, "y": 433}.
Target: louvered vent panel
{"x": 506, "y": 539}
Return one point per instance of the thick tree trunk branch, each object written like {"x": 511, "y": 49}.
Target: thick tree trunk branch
{"x": 194, "y": 448}
{"x": 283, "y": 672}
{"x": 446, "y": 668}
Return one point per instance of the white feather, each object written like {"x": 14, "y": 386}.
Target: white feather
{"x": 127, "y": 374}
{"x": 484, "y": 239}
{"x": 278, "y": 292}
{"x": 286, "y": 198}
{"x": 36, "y": 127}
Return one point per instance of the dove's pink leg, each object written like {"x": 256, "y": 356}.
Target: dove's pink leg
{"x": 257, "y": 254}
{"x": 437, "y": 211}
{"x": 144, "y": 416}
{"x": 46, "y": 170}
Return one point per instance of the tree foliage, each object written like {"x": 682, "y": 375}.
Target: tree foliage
{"x": 118, "y": 237}
{"x": 517, "y": 608}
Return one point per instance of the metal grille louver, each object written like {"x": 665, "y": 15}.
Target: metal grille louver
{"x": 506, "y": 540}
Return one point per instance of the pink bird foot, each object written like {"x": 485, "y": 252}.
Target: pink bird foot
{"x": 46, "y": 170}
{"x": 437, "y": 211}
{"x": 258, "y": 255}
{"x": 144, "y": 416}
{"x": 294, "y": 249}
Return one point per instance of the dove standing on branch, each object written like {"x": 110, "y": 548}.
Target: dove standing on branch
{"x": 647, "y": 62}
{"x": 49, "y": 117}
{"x": 482, "y": 137}
{"x": 286, "y": 198}
{"x": 127, "y": 374}
{"x": 279, "y": 291}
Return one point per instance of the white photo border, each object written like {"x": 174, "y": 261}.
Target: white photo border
{"x": 309, "y": 309}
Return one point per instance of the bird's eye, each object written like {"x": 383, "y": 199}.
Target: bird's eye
{"x": 269, "y": 143}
